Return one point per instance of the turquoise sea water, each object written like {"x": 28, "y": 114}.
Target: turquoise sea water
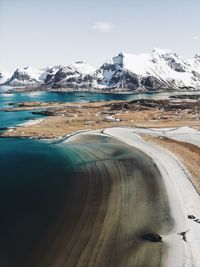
{"x": 34, "y": 177}
{"x": 8, "y": 119}
{"x": 51, "y": 191}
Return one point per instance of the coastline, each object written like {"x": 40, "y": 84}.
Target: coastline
{"x": 158, "y": 132}
{"x": 116, "y": 197}
{"x": 41, "y": 88}
{"x": 60, "y": 119}
{"x": 183, "y": 198}
{"x": 177, "y": 180}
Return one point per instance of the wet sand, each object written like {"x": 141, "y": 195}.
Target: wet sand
{"x": 116, "y": 195}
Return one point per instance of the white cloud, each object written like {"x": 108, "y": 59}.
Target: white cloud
{"x": 103, "y": 26}
{"x": 195, "y": 37}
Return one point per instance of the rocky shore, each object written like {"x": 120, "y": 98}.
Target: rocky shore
{"x": 64, "y": 118}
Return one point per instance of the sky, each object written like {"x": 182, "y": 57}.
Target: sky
{"x": 51, "y": 32}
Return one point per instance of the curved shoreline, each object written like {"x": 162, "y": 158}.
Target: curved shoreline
{"x": 96, "y": 221}
{"x": 178, "y": 188}
{"x": 183, "y": 198}
{"x": 117, "y": 196}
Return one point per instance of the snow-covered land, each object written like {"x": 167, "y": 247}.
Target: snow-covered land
{"x": 160, "y": 69}
{"x": 183, "y": 197}
{"x": 184, "y": 134}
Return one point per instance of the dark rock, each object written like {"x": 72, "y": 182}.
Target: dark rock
{"x": 20, "y": 76}
{"x": 4, "y": 128}
{"x": 175, "y": 63}
{"x": 152, "y": 237}
{"x": 44, "y": 112}
{"x": 183, "y": 234}
{"x": 192, "y": 217}
{"x": 151, "y": 82}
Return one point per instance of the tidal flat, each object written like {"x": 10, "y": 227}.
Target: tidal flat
{"x": 85, "y": 202}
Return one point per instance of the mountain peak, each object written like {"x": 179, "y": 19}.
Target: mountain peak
{"x": 162, "y": 51}
{"x": 158, "y": 69}
{"x": 82, "y": 67}
{"x": 197, "y": 57}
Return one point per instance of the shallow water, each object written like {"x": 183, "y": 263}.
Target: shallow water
{"x": 86, "y": 200}
{"x": 8, "y": 119}
{"x": 15, "y": 118}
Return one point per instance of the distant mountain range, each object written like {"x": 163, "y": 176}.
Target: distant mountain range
{"x": 160, "y": 69}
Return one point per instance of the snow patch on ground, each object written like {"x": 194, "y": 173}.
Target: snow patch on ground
{"x": 183, "y": 198}
{"x": 184, "y": 134}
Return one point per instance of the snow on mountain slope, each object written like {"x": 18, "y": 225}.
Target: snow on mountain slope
{"x": 26, "y": 76}
{"x": 160, "y": 69}
{"x": 195, "y": 62}
{"x": 50, "y": 76}
{"x": 83, "y": 68}
{"x": 172, "y": 68}
{"x": 66, "y": 76}
{"x": 71, "y": 76}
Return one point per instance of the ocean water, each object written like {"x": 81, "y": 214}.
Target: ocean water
{"x": 6, "y": 98}
{"x": 41, "y": 182}
{"x": 55, "y": 196}
{"x": 15, "y": 118}
{"x": 9, "y": 119}
{"x": 35, "y": 181}
{"x": 34, "y": 176}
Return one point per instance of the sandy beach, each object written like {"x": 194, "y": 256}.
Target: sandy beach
{"x": 99, "y": 133}
{"x": 125, "y": 185}
{"x": 138, "y": 175}
{"x": 117, "y": 196}
{"x": 183, "y": 196}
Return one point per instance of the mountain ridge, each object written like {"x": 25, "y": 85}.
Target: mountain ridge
{"x": 157, "y": 70}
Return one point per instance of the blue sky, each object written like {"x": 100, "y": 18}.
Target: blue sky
{"x": 49, "y": 32}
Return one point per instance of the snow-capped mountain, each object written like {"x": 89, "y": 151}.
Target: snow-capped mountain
{"x": 83, "y": 68}
{"x": 70, "y": 76}
{"x": 26, "y": 76}
{"x": 195, "y": 62}
{"x": 159, "y": 69}
{"x": 56, "y": 76}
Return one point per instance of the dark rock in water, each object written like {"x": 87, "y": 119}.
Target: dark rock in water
{"x": 192, "y": 217}
{"x": 152, "y": 237}
{"x": 4, "y": 128}
{"x": 44, "y": 112}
